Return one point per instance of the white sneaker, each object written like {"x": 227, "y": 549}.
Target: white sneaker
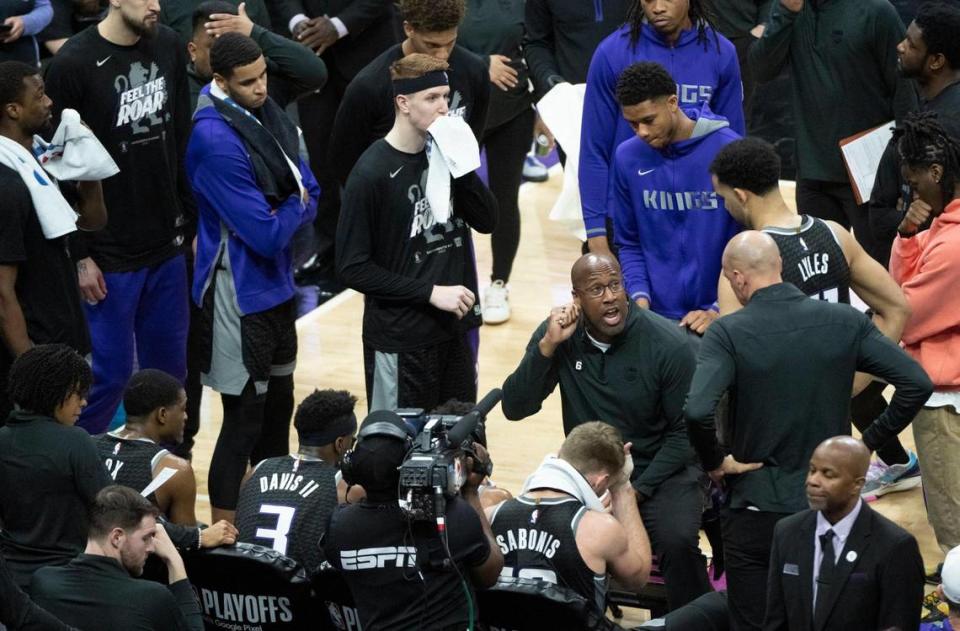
{"x": 496, "y": 303}
{"x": 534, "y": 170}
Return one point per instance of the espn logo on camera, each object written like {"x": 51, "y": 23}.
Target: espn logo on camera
{"x": 377, "y": 558}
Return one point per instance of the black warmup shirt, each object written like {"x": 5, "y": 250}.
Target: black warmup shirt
{"x": 366, "y": 111}
{"x": 18, "y": 612}
{"x": 95, "y": 593}
{"x": 385, "y": 561}
{"x": 561, "y": 36}
{"x": 130, "y": 461}
{"x": 638, "y": 385}
{"x": 137, "y": 101}
{"x": 49, "y": 476}
{"x": 285, "y": 505}
{"x": 789, "y": 390}
{"x": 813, "y": 260}
{"x": 46, "y": 284}
{"x": 496, "y": 28}
{"x": 390, "y": 248}
{"x": 538, "y": 539}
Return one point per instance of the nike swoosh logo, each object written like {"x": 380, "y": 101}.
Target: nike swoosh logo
{"x": 394, "y": 174}
{"x": 104, "y": 60}
{"x": 642, "y": 172}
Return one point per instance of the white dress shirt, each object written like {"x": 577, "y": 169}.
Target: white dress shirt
{"x": 841, "y": 530}
{"x": 337, "y": 24}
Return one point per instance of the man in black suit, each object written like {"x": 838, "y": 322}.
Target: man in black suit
{"x": 840, "y": 565}
{"x": 348, "y": 35}
{"x": 788, "y": 362}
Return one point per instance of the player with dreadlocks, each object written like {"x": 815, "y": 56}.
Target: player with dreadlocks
{"x": 679, "y": 35}
{"x": 926, "y": 264}
{"x": 49, "y": 470}
{"x": 663, "y": 17}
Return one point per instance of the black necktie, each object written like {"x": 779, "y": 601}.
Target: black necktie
{"x": 828, "y": 567}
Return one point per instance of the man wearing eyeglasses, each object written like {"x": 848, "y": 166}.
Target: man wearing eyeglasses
{"x": 631, "y": 368}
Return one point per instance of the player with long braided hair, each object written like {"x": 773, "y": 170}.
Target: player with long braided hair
{"x": 699, "y": 14}
{"x": 679, "y": 35}
{"x": 926, "y": 264}
{"x": 927, "y": 152}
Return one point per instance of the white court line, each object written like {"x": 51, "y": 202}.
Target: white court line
{"x": 315, "y": 314}
{"x": 308, "y": 318}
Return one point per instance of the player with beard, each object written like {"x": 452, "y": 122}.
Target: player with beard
{"x": 39, "y": 301}
{"x": 127, "y": 79}
{"x": 630, "y": 368}
{"x": 99, "y": 589}
{"x": 930, "y": 55}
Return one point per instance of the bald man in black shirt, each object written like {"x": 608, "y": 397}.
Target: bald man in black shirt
{"x": 790, "y": 389}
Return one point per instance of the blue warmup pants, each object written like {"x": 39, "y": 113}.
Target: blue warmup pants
{"x": 145, "y": 311}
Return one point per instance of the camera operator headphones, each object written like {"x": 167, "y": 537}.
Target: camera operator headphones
{"x": 380, "y": 425}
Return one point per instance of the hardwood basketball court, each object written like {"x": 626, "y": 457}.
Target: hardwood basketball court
{"x": 331, "y": 357}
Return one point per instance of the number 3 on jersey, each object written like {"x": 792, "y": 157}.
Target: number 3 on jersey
{"x": 279, "y": 533}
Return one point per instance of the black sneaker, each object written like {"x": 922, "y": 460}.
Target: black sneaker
{"x": 933, "y": 578}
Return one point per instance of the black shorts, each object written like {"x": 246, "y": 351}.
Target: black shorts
{"x": 421, "y": 378}
{"x": 268, "y": 339}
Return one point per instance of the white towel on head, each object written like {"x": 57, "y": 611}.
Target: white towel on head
{"x": 74, "y": 153}
{"x": 560, "y": 475}
{"x": 453, "y": 152}
{"x": 55, "y": 214}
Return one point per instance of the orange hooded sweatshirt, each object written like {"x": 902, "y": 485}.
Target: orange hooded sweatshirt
{"x": 927, "y": 268}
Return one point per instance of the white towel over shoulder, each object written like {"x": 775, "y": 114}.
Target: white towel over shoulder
{"x": 454, "y": 152}
{"x": 56, "y": 216}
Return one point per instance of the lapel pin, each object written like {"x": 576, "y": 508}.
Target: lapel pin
{"x": 851, "y": 556}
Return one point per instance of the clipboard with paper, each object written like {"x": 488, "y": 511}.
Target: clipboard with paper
{"x": 861, "y": 156}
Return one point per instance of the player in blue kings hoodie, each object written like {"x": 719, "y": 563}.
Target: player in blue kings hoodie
{"x": 677, "y": 35}
{"x": 669, "y": 223}
{"x": 253, "y": 192}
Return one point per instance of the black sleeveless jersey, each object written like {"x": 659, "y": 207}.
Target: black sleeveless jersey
{"x": 538, "y": 540}
{"x": 130, "y": 461}
{"x": 813, "y": 260}
{"x": 285, "y": 506}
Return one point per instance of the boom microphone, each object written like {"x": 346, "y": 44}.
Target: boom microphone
{"x": 464, "y": 428}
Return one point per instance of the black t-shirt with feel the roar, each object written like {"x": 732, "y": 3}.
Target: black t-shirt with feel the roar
{"x": 136, "y": 100}
{"x": 46, "y": 284}
{"x": 385, "y": 561}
